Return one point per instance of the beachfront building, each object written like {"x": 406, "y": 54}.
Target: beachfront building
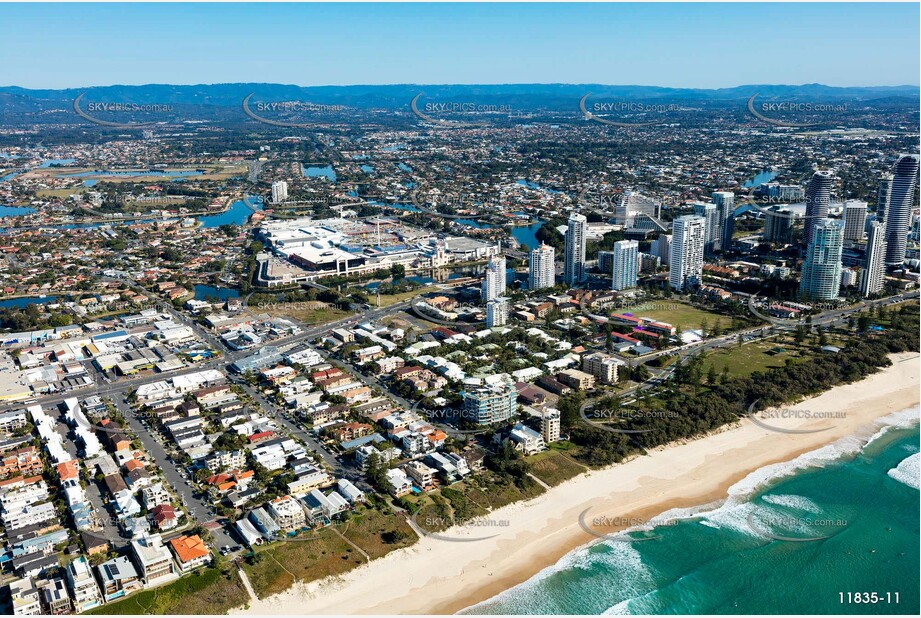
{"x": 550, "y": 425}
{"x": 874, "y": 266}
{"x": 492, "y": 400}
{"x": 602, "y": 366}
{"x": 84, "y": 591}
{"x": 821, "y": 276}
{"x": 153, "y": 559}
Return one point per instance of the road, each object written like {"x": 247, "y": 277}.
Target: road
{"x": 255, "y": 168}
{"x": 198, "y": 505}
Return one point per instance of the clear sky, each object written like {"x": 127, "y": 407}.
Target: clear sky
{"x": 681, "y": 45}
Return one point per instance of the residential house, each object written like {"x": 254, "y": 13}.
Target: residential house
{"x": 118, "y": 577}
{"x": 287, "y": 513}
{"x": 190, "y": 551}
{"x": 84, "y": 590}
{"x": 153, "y": 559}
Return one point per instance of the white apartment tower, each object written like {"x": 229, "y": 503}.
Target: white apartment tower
{"x": 497, "y": 312}
{"x": 686, "y": 260}
{"x": 874, "y": 266}
{"x": 626, "y": 264}
{"x": 541, "y": 268}
{"x": 494, "y": 282}
{"x": 574, "y": 259}
{"x": 711, "y": 225}
{"x": 279, "y": 191}
{"x": 550, "y": 425}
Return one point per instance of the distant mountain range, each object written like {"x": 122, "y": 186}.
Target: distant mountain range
{"x": 545, "y": 96}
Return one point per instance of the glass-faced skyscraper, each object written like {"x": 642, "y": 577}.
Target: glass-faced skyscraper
{"x": 821, "y": 276}
{"x": 725, "y": 207}
{"x": 818, "y": 194}
{"x": 574, "y": 259}
{"x": 898, "y": 209}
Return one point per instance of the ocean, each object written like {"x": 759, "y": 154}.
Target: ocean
{"x": 791, "y": 538}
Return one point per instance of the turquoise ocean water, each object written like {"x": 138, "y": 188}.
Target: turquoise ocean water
{"x": 858, "y": 498}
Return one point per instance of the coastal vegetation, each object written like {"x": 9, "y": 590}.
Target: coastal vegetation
{"x": 695, "y": 401}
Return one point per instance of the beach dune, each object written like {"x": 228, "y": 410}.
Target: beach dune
{"x": 439, "y": 577}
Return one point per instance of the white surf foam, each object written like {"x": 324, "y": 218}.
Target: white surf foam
{"x": 800, "y": 503}
{"x": 729, "y": 513}
{"x": 908, "y": 471}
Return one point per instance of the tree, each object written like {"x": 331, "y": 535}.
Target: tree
{"x": 377, "y": 473}
{"x": 392, "y": 537}
{"x": 711, "y": 375}
{"x": 823, "y": 338}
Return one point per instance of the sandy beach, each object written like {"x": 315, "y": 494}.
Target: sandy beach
{"x": 439, "y": 577}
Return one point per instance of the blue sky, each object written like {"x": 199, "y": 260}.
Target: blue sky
{"x": 680, "y": 45}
